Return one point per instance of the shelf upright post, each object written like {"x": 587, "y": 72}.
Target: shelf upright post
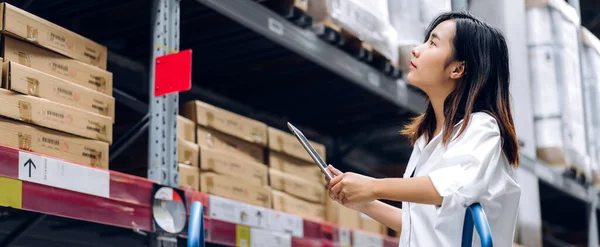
{"x": 162, "y": 160}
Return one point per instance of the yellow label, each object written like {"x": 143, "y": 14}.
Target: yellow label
{"x": 242, "y": 236}
{"x": 12, "y": 192}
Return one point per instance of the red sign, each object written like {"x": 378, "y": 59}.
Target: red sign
{"x": 173, "y": 73}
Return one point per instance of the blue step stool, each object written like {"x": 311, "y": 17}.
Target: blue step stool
{"x": 474, "y": 218}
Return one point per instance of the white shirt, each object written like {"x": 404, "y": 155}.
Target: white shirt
{"x": 472, "y": 168}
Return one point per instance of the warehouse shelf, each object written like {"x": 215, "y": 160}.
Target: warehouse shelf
{"x": 128, "y": 202}
{"x": 557, "y": 180}
{"x": 305, "y": 42}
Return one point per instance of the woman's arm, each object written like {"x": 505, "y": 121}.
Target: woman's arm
{"x": 419, "y": 190}
{"x": 384, "y": 214}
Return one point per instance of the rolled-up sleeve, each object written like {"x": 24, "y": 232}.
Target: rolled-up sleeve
{"x": 471, "y": 166}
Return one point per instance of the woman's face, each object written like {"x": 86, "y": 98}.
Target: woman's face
{"x": 429, "y": 68}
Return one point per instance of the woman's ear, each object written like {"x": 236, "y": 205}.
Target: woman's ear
{"x": 458, "y": 70}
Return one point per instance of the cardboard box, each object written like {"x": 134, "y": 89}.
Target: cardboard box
{"x": 370, "y": 225}
{"x": 189, "y": 177}
{"x": 187, "y": 152}
{"x": 25, "y": 80}
{"x": 227, "y": 164}
{"x": 288, "y": 144}
{"x": 57, "y": 65}
{"x": 235, "y": 189}
{"x": 341, "y": 215}
{"x": 289, "y": 204}
{"x": 296, "y": 186}
{"x": 186, "y": 129}
{"x": 220, "y": 141}
{"x": 226, "y": 122}
{"x": 52, "y": 143}
{"x": 303, "y": 169}
{"x": 26, "y": 26}
{"x": 56, "y": 116}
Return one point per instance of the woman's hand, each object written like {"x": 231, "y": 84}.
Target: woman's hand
{"x": 350, "y": 189}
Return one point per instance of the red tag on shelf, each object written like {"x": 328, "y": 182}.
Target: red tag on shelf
{"x": 173, "y": 73}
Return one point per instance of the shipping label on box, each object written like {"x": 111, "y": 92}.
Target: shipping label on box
{"x": 187, "y": 153}
{"x": 287, "y": 203}
{"x": 186, "y": 129}
{"x": 288, "y": 164}
{"x": 53, "y": 143}
{"x": 286, "y": 143}
{"x": 226, "y": 122}
{"x": 54, "y": 64}
{"x": 265, "y": 238}
{"x": 284, "y": 222}
{"x": 55, "y": 116}
{"x": 366, "y": 239}
{"x": 26, "y": 80}
{"x": 241, "y": 148}
{"x": 29, "y": 27}
{"x": 296, "y": 186}
{"x": 189, "y": 177}
{"x": 234, "y": 189}
{"x": 237, "y": 212}
{"x": 227, "y": 164}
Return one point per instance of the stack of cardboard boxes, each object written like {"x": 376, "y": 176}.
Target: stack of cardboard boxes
{"x": 297, "y": 183}
{"x": 55, "y": 85}
{"x": 230, "y": 150}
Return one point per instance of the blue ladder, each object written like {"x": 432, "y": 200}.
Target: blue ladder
{"x": 474, "y": 218}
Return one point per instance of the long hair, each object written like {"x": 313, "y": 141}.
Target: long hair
{"x": 483, "y": 88}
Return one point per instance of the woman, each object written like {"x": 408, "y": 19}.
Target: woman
{"x": 465, "y": 147}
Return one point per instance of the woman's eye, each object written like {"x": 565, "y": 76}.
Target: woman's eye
{"x": 431, "y": 43}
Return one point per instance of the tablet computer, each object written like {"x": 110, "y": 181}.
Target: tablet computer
{"x": 311, "y": 151}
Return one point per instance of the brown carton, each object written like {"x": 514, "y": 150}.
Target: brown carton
{"x": 341, "y": 215}
{"x": 25, "y": 80}
{"x": 57, "y": 65}
{"x": 370, "y": 225}
{"x": 186, "y": 129}
{"x": 26, "y": 26}
{"x": 296, "y": 186}
{"x": 187, "y": 152}
{"x": 56, "y": 116}
{"x": 53, "y": 143}
{"x": 232, "y": 145}
{"x": 230, "y": 165}
{"x": 226, "y": 122}
{"x": 189, "y": 177}
{"x": 288, "y": 144}
{"x": 289, "y": 204}
{"x": 235, "y": 189}
{"x": 298, "y": 167}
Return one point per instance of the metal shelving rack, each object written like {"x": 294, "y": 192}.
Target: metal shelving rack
{"x": 128, "y": 204}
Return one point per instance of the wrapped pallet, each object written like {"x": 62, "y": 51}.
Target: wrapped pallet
{"x": 591, "y": 81}
{"x": 556, "y": 81}
{"x": 367, "y": 20}
{"x": 410, "y": 18}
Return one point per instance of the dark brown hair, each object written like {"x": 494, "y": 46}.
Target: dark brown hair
{"x": 483, "y": 88}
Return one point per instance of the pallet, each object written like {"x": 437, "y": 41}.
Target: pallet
{"x": 351, "y": 44}
{"x": 294, "y": 11}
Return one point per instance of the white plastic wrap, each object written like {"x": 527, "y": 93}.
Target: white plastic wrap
{"x": 432, "y": 8}
{"x": 591, "y": 82}
{"x": 368, "y": 20}
{"x": 556, "y": 72}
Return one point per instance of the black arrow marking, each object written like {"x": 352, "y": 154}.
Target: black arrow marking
{"x": 30, "y": 163}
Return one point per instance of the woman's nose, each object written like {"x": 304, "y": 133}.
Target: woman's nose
{"x": 416, "y": 52}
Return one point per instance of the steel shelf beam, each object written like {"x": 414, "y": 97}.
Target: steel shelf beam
{"x": 307, "y": 44}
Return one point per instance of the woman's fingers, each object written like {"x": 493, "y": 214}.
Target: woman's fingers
{"x": 335, "y": 172}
